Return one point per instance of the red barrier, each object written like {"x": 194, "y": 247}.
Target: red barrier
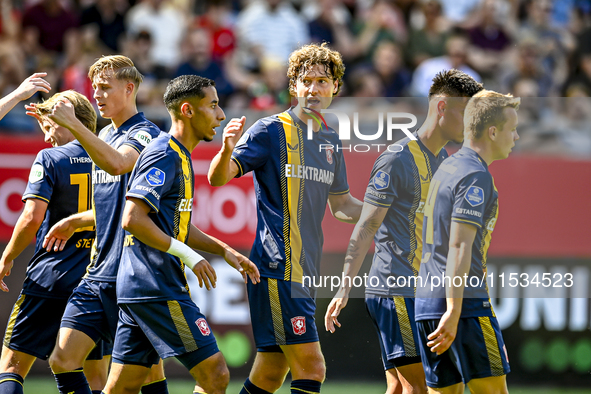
{"x": 545, "y": 207}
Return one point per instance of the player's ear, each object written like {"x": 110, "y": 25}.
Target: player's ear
{"x": 492, "y": 132}
{"x": 336, "y": 87}
{"x": 441, "y": 105}
{"x": 187, "y": 110}
{"x": 129, "y": 88}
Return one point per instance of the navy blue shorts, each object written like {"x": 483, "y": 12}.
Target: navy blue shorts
{"x": 148, "y": 331}
{"x": 477, "y": 352}
{"x": 278, "y": 318}
{"x": 34, "y": 324}
{"x": 92, "y": 309}
{"x": 394, "y": 319}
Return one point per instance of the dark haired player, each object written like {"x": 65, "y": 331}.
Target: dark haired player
{"x": 293, "y": 180}
{"x": 392, "y": 215}
{"x": 158, "y": 317}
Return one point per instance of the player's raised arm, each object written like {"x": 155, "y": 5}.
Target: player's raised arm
{"x": 135, "y": 219}
{"x": 59, "y": 233}
{"x": 363, "y": 233}
{"x": 33, "y": 84}
{"x": 345, "y": 207}
{"x": 114, "y": 161}
{"x": 222, "y": 168}
{"x": 199, "y": 240}
{"x": 461, "y": 239}
{"x": 23, "y": 234}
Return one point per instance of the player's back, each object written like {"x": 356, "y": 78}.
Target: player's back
{"x": 463, "y": 191}
{"x": 60, "y": 176}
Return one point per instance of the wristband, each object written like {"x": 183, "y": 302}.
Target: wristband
{"x": 187, "y": 255}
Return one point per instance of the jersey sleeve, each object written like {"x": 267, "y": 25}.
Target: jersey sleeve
{"x": 152, "y": 177}
{"x": 253, "y": 149}
{"x": 385, "y": 180}
{"x": 42, "y": 178}
{"x": 340, "y": 184}
{"x": 139, "y": 137}
{"x": 470, "y": 202}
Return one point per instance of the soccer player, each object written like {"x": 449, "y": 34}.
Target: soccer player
{"x": 92, "y": 312}
{"x": 294, "y": 179}
{"x": 158, "y": 317}
{"x": 59, "y": 185}
{"x": 459, "y": 336}
{"x": 392, "y": 215}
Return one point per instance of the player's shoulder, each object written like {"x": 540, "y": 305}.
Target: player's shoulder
{"x": 67, "y": 153}
{"x": 398, "y": 153}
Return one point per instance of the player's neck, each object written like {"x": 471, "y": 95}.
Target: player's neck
{"x": 304, "y": 117}
{"x": 431, "y": 136}
{"x": 482, "y": 149}
{"x": 122, "y": 117}
{"x": 182, "y": 135}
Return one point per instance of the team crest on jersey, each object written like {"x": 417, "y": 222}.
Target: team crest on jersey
{"x": 155, "y": 177}
{"x": 298, "y": 324}
{"x": 143, "y": 137}
{"x": 36, "y": 173}
{"x": 203, "y": 326}
{"x": 381, "y": 180}
{"x": 474, "y": 196}
{"x": 329, "y": 154}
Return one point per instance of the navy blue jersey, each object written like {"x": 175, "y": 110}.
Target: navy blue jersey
{"x": 59, "y": 176}
{"x": 163, "y": 178}
{"x": 293, "y": 177}
{"x": 400, "y": 181}
{"x": 109, "y": 197}
{"x": 462, "y": 190}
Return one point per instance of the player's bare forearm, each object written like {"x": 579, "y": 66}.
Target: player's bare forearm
{"x": 25, "y": 229}
{"x": 205, "y": 242}
{"x": 27, "y": 88}
{"x": 370, "y": 220}
{"x": 345, "y": 207}
{"x": 222, "y": 169}
{"x": 458, "y": 262}
{"x": 137, "y": 221}
{"x": 59, "y": 233}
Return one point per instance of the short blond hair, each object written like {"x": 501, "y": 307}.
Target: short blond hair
{"x": 82, "y": 107}
{"x": 302, "y": 59}
{"x": 121, "y": 66}
{"x": 485, "y": 109}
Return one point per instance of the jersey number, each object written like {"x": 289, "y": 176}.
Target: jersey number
{"x": 429, "y": 206}
{"x": 83, "y": 182}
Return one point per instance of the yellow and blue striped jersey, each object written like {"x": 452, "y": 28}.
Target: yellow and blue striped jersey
{"x": 462, "y": 190}
{"x": 162, "y": 178}
{"x": 293, "y": 177}
{"x": 400, "y": 181}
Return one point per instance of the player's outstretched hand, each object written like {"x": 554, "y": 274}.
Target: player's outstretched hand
{"x": 205, "y": 274}
{"x": 334, "y": 309}
{"x": 58, "y": 235}
{"x": 441, "y": 339}
{"x": 63, "y": 113}
{"x": 233, "y": 132}
{"x": 35, "y": 83}
{"x": 247, "y": 268}
{"x": 5, "y": 268}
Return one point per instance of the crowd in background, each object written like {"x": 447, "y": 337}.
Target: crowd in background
{"x": 391, "y": 48}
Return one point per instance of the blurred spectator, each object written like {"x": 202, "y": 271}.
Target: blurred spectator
{"x": 49, "y": 22}
{"x": 388, "y": 64}
{"x": 217, "y": 19}
{"x": 459, "y": 11}
{"x": 9, "y": 21}
{"x": 490, "y": 42}
{"x": 269, "y": 28}
{"x": 329, "y": 20}
{"x": 526, "y": 64}
{"x": 166, "y": 25}
{"x": 456, "y": 48}
{"x": 384, "y": 21}
{"x": 106, "y": 18}
{"x": 270, "y": 92}
{"x": 428, "y": 34}
{"x": 199, "y": 61}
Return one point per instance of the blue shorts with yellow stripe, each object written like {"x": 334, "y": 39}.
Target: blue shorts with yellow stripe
{"x": 394, "y": 320}
{"x": 282, "y": 313}
{"x": 148, "y": 331}
{"x": 34, "y": 324}
{"x": 477, "y": 352}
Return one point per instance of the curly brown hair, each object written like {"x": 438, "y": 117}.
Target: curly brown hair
{"x": 302, "y": 59}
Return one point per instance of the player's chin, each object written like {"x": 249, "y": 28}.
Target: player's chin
{"x": 208, "y": 138}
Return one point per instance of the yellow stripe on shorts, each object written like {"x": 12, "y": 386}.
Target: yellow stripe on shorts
{"x": 12, "y": 321}
{"x": 182, "y": 326}
{"x": 276, "y": 312}
{"x": 410, "y": 349}
{"x": 492, "y": 346}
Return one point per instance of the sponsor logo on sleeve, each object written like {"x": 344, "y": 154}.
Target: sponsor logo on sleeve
{"x": 155, "y": 177}
{"x": 381, "y": 180}
{"x": 298, "y": 324}
{"x": 203, "y": 326}
{"x": 474, "y": 196}
{"x": 143, "y": 137}
{"x": 37, "y": 173}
